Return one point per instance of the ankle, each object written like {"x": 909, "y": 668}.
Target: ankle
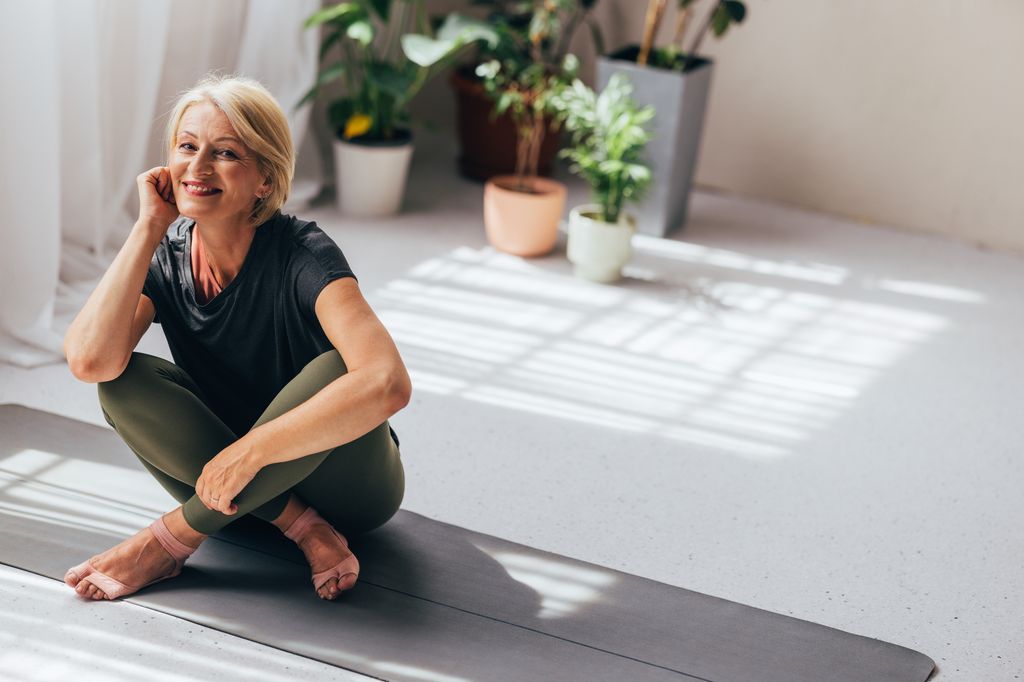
{"x": 292, "y": 511}
{"x": 176, "y": 523}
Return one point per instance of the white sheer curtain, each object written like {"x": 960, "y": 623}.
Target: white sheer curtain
{"x": 86, "y": 88}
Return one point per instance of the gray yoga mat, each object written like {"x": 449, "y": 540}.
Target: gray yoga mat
{"x": 434, "y": 601}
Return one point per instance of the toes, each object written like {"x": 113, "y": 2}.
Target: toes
{"x": 71, "y": 579}
{"x": 329, "y": 589}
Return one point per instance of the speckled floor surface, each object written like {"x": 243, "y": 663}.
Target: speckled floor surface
{"x": 788, "y": 410}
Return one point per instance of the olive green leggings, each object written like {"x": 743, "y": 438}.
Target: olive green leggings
{"x": 156, "y": 408}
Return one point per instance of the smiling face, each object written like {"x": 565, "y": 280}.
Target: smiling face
{"x": 215, "y": 177}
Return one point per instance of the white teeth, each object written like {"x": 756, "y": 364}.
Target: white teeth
{"x": 201, "y": 190}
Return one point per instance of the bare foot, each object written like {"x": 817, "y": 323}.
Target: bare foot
{"x": 323, "y": 550}
{"x": 136, "y": 561}
{"x": 321, "y": 547}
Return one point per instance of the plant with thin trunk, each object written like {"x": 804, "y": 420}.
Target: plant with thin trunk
{"x": 608, "y": 140}
{"x": 388, "y": 52}
{"x": 719, "y": 18}
{"x": 529, "y": 64}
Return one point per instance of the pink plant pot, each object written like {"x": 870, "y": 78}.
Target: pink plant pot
{"x": 523, "y": 223}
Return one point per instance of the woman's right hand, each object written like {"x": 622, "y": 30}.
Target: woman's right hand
{"x": 156, "y": 198}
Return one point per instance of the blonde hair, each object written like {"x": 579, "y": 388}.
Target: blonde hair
{"x": 260, "y": 123}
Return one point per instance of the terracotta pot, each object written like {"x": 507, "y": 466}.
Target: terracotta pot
{"x": 523, "y": 223}
{"x": 488, "y": 147}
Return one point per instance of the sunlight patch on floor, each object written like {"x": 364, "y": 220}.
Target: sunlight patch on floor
{"x": 754, "y": 370}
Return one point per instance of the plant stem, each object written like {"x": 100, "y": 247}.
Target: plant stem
{"x": 393, "y": 48}
{"x": 681, "y": 21}
{"x": 536, "y": 137}
{"x": 691, "y": 55}
{"x": 563, "y": 41}
{"x": 655, "y": 10}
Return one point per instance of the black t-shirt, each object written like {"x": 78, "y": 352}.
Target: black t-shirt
{"x": 246, "y": 343}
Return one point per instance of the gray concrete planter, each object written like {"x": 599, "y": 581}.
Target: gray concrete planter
{"x": 679, "y": 101}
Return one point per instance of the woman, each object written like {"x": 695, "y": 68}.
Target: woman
{"x": 258, "y": 413}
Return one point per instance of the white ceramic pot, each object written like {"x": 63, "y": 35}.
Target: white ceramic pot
{"x": 597, "y": 249}
{"x": 370, "y": 176}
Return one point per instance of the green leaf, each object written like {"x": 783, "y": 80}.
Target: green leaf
{"x": 457, "y": 26}
{"x": 328, "y": 42}
{"x": 737, "y": 10}
{"x": 488, "y": 70}
{"x": 326, "y": 76}
{"x": 336, "y": 13}
{"x": 382, "y": 8}
{"x": 720, "y": 20}
{"x": 426, "y": 51}
{"x": 361, "y": 31}
{"x": 391, "y": 79}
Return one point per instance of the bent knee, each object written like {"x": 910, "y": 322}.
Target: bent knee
{"x": 141, "y": 368}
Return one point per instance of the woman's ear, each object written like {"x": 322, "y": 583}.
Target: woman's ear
{"x": 264, "y": 190}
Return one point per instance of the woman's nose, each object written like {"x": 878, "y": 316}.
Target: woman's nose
{"x": 201, "y": 165}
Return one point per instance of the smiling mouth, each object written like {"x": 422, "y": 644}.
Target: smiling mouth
{"x": 197, "y": 191}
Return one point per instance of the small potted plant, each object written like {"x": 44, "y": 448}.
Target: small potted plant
{"x": 676, "y": 81}
{"x": 386, "y": 54}
{"x": 522, "y": 211}
{"x": 606, "y": 150}
{"x": 487, "y": 142}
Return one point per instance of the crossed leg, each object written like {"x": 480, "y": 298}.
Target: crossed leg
{"x": 160, "y": 414}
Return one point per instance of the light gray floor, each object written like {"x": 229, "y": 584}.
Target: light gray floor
{"x": 788, "y": 410}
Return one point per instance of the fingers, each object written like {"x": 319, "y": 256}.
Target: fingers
{"x": 163, "y": 185}
{"x": 222, "y": 504}
{"x": 160, "y": 178}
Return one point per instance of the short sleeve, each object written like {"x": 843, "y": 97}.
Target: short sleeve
{"x": 151, "y": 288}
{"x": 318, "y": 262}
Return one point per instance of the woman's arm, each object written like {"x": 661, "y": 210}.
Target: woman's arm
{"x": 100, "y": 340}
{"x": 375, "y": 387}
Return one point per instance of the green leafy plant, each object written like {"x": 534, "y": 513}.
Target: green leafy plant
{"x": 608, "y": 141}
{"x": 514, "y": 20}
{"x": 721, "y": 15}
{"x": 528, "y": 64}
{"x": 387, "y": 53}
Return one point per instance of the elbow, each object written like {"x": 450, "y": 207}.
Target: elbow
{"x": 398, "y": 389}
{"x": 90, "y": 372}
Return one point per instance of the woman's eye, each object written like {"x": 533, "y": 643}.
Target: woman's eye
{"x": 184, "y": 144}
{"x": 230, "y": 153}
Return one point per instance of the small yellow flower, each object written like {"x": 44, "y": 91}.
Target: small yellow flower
{"x": 356, "y": 125}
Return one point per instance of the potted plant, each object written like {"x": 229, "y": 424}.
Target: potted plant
{"x": 522, "y": 211}
{"x": 608, "y": 140}
{"x": 676, "y": 82}
{"x": 487, "y": 142}
{"x": 386, "y": 54}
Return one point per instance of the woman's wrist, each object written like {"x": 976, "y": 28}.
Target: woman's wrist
{"x": 151, "y": 231}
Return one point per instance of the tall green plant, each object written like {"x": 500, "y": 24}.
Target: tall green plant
{"x": 530, "y": 64}
{"x": 608, "y": 141}
{"x": 387, "y": 53}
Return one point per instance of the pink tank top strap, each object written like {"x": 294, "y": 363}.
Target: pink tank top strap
{"x": 206, "y": 285}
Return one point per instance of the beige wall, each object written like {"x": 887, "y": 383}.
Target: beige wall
{"x": 907, "y": 113}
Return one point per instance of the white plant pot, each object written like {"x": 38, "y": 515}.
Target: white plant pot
{"x": 597, "y": 249}
{"x": 370, "y": 177}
